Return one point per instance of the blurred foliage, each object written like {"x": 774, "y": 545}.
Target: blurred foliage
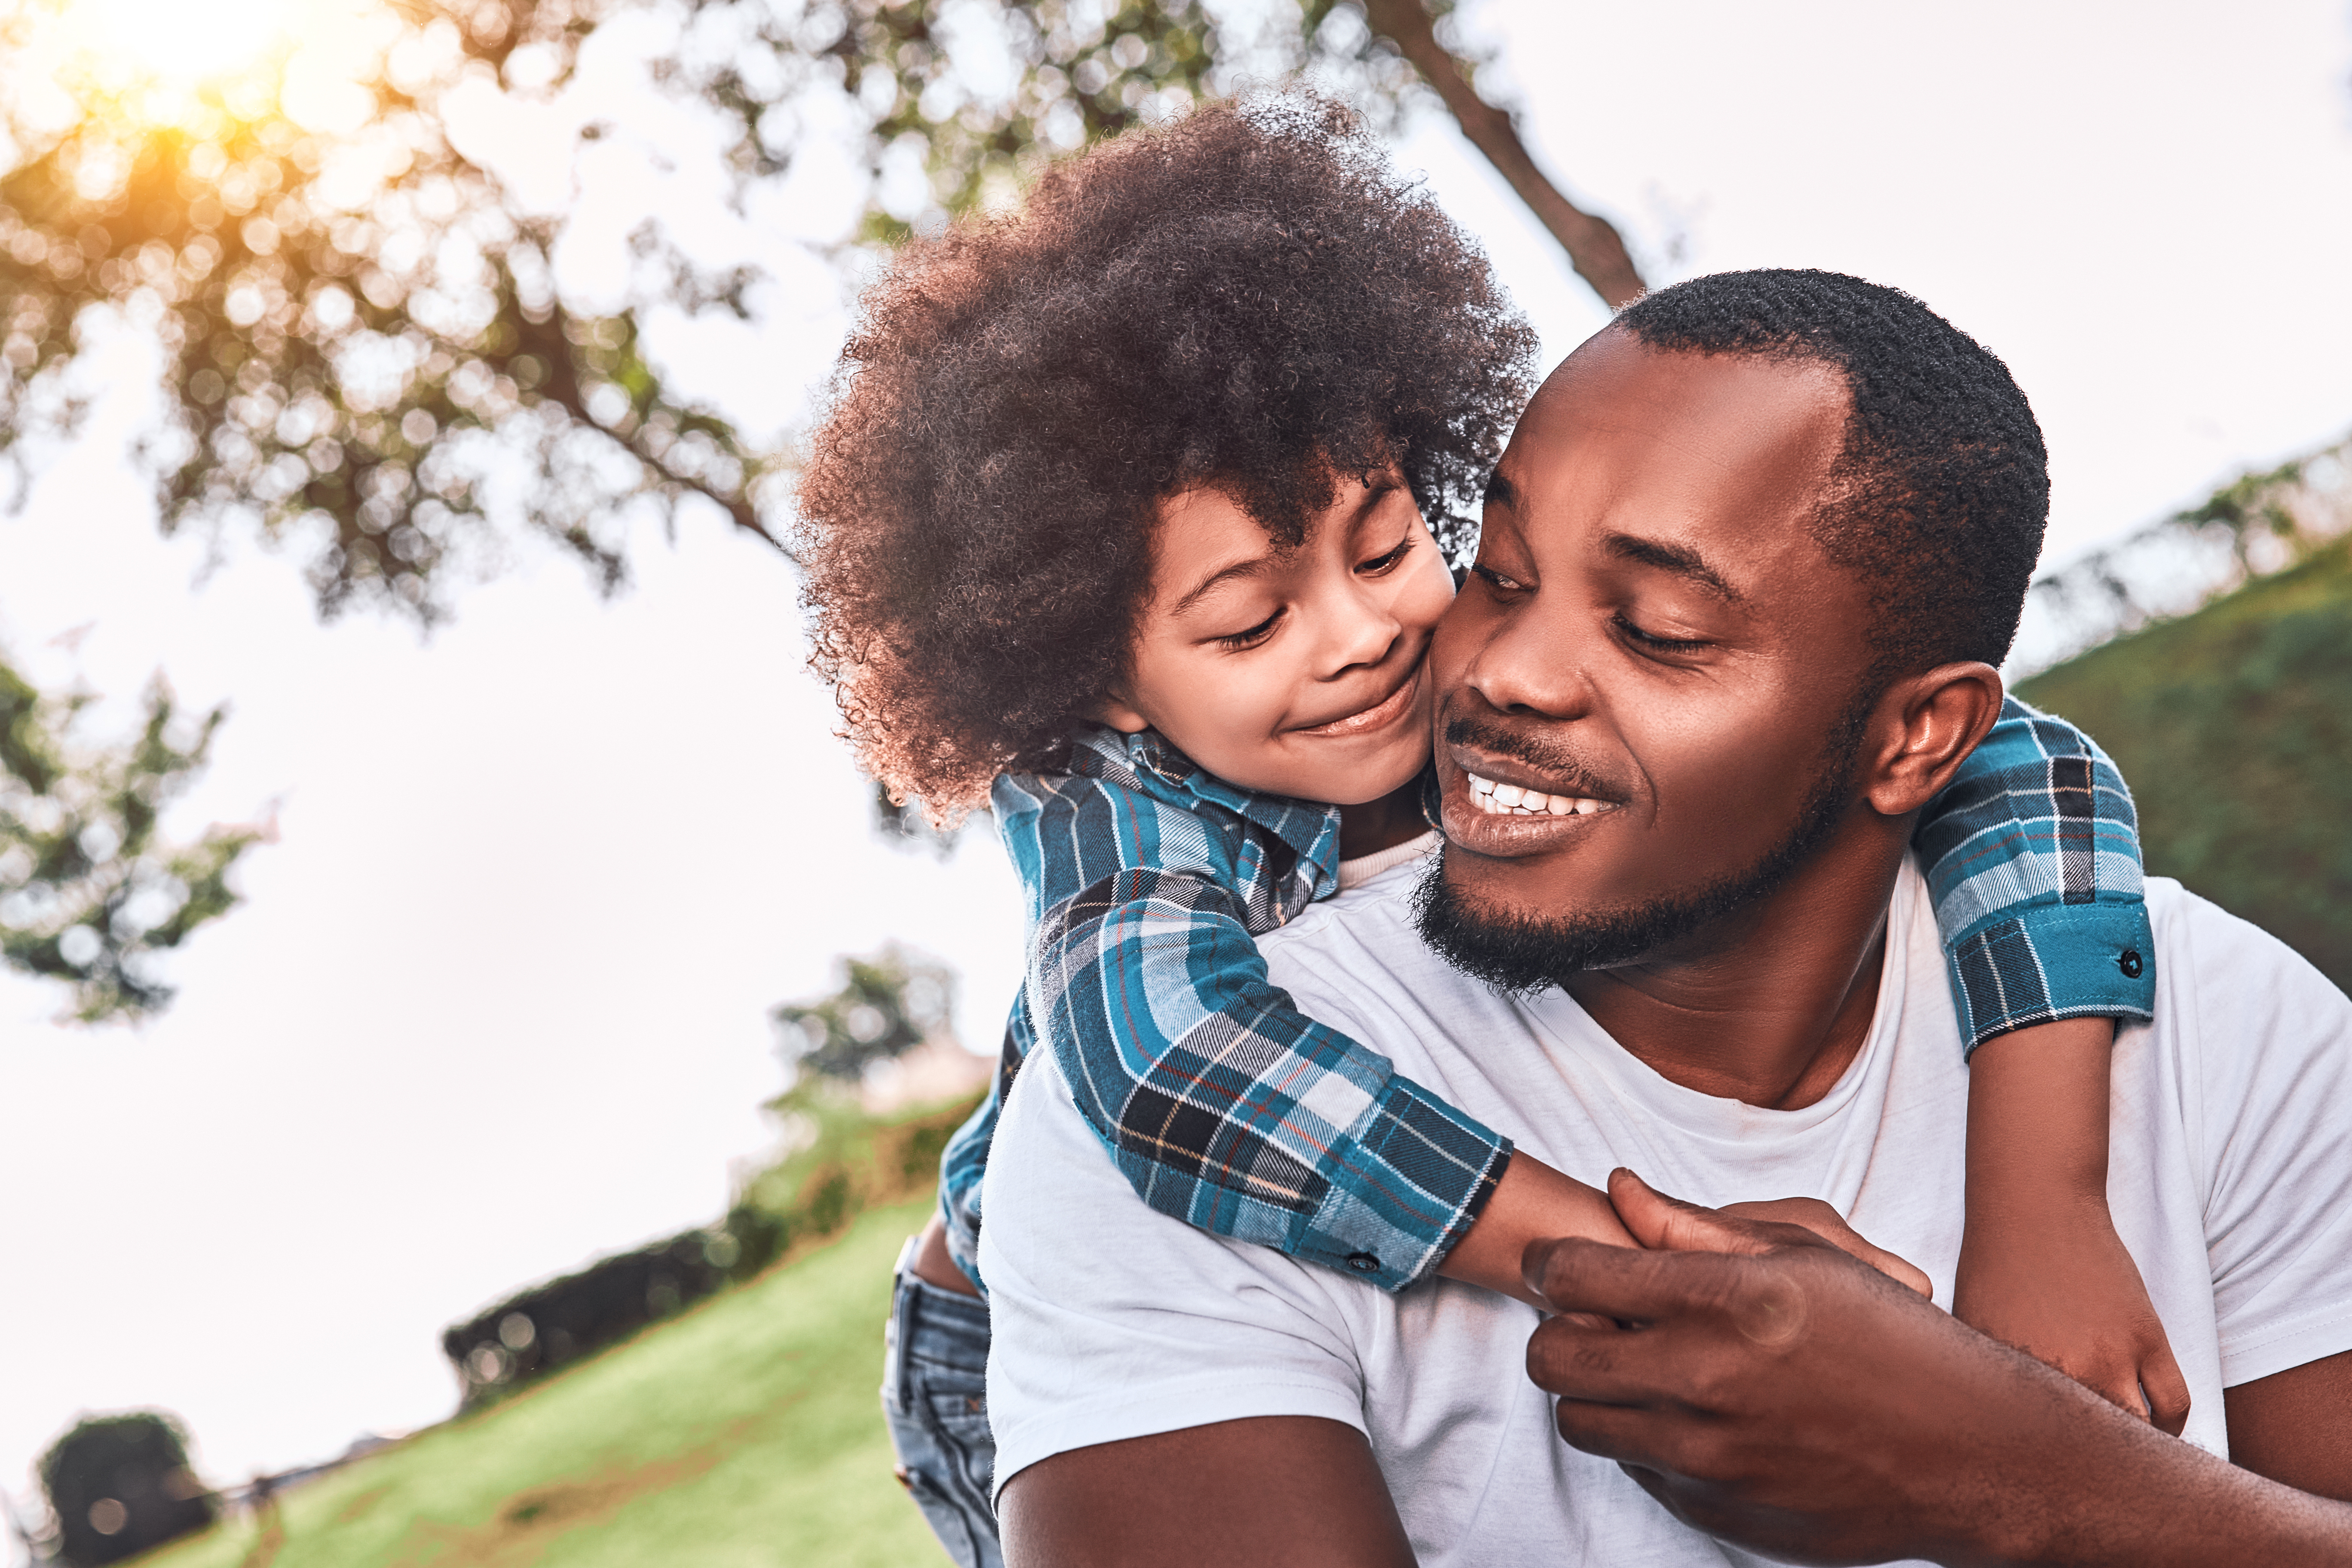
{"x": 845, "y": 1162}
{"x": 886, "y": 1004}
{"x": 120, "y": 1484}
{"x": 2258, "y": 523}
{"x": 842, "y": 1163}
{"x": 2234, "y": 728}
{"x": 90, "y": 891}
{"x": 840, "y": 1160}
{"x": 1079, "y": 71}
{"x": 366, "y": 355}
{"x": 364, "y": 350}
{"x": 549, "y": 1325}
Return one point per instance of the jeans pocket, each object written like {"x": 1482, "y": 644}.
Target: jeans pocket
{"x": 959, "y": 1415}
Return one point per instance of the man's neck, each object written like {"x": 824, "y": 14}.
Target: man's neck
{"x": 1769, "y": 1005}
{"x": 1395, "y": 819}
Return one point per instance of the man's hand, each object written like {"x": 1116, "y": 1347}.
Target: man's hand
{"x": 1774, "y": 1391}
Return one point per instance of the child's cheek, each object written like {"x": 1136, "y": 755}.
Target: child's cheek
{"x": 1429, "y": 594}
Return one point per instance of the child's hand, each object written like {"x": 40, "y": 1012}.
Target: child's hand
{"x": 2061, "y": 1289}
{"x": 1532, "y": 1202}
{"x": 1828, "y": 1225}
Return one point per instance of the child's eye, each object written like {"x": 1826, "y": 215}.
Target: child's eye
{"x": 1381, "y": 563}
{"x": 1252, "y": 638}
{"x": 1654, "y": 643}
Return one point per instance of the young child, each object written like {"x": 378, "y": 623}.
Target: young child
{"x": 1121, "y": 520}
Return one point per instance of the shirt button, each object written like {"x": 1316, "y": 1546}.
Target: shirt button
{"x": 1364, "y": 1263}
{"x": 2129, "y": 963}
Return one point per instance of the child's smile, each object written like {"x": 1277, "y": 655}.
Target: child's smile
{"x": 1379, "y": 716}
{"x": 1294, "y": 670}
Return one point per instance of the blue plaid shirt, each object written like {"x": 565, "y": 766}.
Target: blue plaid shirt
{"x": 1150, "y": 879}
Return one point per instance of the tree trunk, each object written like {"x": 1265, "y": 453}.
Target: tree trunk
{"x": 1593, "y": 246}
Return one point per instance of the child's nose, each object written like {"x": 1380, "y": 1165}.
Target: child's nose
{"x": 1364, "y": 635}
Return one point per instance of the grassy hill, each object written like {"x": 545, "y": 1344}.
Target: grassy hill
{"x": 2234, "y": 728}
{"x": 746, "y": 1433}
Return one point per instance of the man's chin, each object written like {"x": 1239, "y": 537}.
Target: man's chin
{"x": 1514, "y": 950}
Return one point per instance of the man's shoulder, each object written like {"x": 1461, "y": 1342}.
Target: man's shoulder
{"x": 2243, "y": 1012}
{"x": 2210, "y": 959}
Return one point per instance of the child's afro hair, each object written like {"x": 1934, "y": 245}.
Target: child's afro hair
{"x": 1248, "y": 299}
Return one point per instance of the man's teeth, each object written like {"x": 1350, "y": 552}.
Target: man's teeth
{"x": 1510, "y": 799}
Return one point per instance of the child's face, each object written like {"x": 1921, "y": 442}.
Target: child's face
{"x": 1298, "y": 671}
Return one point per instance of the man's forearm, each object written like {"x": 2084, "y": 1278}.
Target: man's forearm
{"x": 2078, "y": 1482}
{"x": 2157, "y": 1502}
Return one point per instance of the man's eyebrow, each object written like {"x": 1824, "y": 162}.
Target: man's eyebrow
{"x": 1679, "y": 559}
{"x": 1500, "y": 491}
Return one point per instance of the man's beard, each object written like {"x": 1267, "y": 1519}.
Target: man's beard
{"x": 1525, "y": 955}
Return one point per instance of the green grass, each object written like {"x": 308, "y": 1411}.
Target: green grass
{"x": 745, "y": 1432}
{"x": 2234, "y": 728}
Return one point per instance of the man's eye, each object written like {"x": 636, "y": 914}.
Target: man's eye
{"x": 1252, "y": 637}
{"x": 1497, "y": 581}
{"x": 1654, "y": 643}
{"x": 1381, "y": 563}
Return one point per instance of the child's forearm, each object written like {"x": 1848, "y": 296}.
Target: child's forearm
{"x": 2038, "y": 1120}
{"x": 2041, "y": 1267}
{"x": 1531, "y": 1202}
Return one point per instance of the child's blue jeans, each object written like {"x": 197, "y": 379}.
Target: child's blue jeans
{"x": 935, "y": 1397}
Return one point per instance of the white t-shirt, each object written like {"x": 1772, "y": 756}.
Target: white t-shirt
{"x": 2230, "y": 1179}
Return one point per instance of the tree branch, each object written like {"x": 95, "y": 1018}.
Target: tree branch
{"x": 1594, "y": 247}
{"x": 546, "y": 339}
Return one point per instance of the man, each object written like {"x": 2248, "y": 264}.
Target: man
{"x": 1746, "y": 570}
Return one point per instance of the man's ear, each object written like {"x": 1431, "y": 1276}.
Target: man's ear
{"x": 1926, "y": 727}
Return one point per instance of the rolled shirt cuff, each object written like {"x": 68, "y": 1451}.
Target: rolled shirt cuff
{"x": 1417, "y": 1176}
{"x": 2054, "y": 961}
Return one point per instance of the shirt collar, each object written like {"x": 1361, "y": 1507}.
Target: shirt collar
{"x": 1311, "y": 829}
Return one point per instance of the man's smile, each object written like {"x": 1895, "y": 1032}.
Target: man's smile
{"x": 1511, "y": 800}
{"x": 1498, "y": 806}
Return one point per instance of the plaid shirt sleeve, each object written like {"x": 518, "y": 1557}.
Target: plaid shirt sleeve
{"x": 2032, "y": 857}
{"x": 1223, "y": 1104}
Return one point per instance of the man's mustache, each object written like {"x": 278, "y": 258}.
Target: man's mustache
{"x": 1558, "y": 767}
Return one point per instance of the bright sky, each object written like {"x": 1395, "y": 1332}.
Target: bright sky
{"x": 497, "y": 1001}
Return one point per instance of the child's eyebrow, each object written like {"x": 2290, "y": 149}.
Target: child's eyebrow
{"x": 1222, "y": 575}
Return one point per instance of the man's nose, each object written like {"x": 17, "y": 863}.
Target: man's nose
{"x": 1527, "y": 665}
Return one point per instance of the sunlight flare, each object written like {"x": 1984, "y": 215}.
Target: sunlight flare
{"x": 178, "y": 62}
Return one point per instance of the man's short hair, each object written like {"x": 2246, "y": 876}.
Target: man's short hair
{"x": 1938, "y": 500}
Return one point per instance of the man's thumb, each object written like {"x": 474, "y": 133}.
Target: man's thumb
{"x": 1665, "y": 1224}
